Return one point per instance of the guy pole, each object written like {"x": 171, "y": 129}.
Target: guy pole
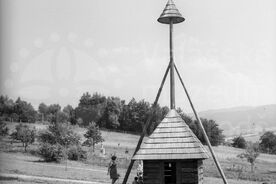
{"x": 202, "y": 129}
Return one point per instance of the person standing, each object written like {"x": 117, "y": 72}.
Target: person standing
{"x": 112, "y": 170}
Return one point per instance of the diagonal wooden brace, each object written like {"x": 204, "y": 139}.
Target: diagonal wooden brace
{"x": 202, "y": 129}
{"x": 148, "y": 123}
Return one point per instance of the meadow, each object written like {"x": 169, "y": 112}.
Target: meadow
{"x": 14, "y": 162}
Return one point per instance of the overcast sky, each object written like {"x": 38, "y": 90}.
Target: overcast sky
{"x": 54, "y": 51}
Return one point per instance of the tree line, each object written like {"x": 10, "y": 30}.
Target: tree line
{"x": 115, "y": 114}
{"x": 17, "y": 111}
{"x": 111, "y": 113}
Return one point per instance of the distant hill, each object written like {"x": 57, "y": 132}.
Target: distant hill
{"x": 244, "y": 120}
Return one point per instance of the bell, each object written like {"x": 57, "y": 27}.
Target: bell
{"x": 170, "y": 13}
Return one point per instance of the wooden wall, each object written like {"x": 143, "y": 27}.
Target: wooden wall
{"x": 187, "y": 171}
{"x": 152, "y": 172}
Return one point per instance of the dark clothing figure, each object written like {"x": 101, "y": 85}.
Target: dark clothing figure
{"x": 135, "y": 180}
{"x": 112, "y": 170}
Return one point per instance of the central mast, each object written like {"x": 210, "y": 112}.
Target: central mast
{"x": 171, "y": 16}
{"x": 172, "y": 85}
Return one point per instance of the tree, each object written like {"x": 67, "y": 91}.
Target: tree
{"x": 93, "y": 135}
{"x": 24, "y": 134}
{"x": 111, "y": 114}
{"x": 251, "y": 154}
{"x": 62, "y": 117}
{"x": 214, "y": 133}
{"x": 53, "y": 109}
{"x": 268, "y": 142}
{"x": 43, "y": 110}
{"x": 6, "y": 107}
{"x": 159, "y": 114}
{"x": 79, "y": 122}
{"x": 71, "y": 113}
{"x": 3, "y": 129}
{"x": 239, "y": 142}
{"x": 90, "y": 108}
{"x": 25, "y": 111}
{"x": 128, "y": 117}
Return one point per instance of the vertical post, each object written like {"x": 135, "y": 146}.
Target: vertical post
{"x": 172, "y": 85}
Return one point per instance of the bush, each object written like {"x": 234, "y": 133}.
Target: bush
{"x": 51, "y": 152}
{"x": 76, "y": 153}
{"x": 60, "y": 141}
{"x": 3, "y": 129}
{"x": 268, "y": 143}
{"x": 59, "y": 133}
{"x": 239, "y": 142}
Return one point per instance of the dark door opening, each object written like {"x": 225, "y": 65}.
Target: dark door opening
{"x": 170, "y": 172}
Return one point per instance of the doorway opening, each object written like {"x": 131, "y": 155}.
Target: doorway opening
{"x": 170, "y": 172}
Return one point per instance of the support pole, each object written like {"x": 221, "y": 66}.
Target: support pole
{"x": 203, "y": 130}
{"x": 172, "y": 83}
{"x": 148, "y": 123}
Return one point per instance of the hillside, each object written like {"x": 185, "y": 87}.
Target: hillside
{"x": 18, "y": 164}
{"x": 244, "y": 120}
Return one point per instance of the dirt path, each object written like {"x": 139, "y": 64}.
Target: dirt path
{"x": 43, "y": 178}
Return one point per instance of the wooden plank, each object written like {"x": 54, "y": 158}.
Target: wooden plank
{"x": 170, "y": 140}
{"x": 151, "y": 181}
{"x": 191, "y": 164}
{"x": 151, "y": 172}
{"x": 172, "y": 119}
{"x": 171, "y": 145}
{"x": 171, "y": 134}
{"x": 183, "y": 150}
{"x": 189, "y": 170}
{"x": 170, "y": 129}
{"x": 169, "y": 156}
{"x": 168, "y": 124}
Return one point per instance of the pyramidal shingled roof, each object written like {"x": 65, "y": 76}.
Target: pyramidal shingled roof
{"x": 172, "y": 139}
{"x": 170, "y": 13}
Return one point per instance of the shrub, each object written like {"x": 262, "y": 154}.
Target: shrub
{"x": 3, "y": 129}
{"x": 50, "y": 152}
{"x": 239, "y": 142}
{"x": 268, "y": 143}
{"x": 76, "y": 153}
{"x": 60, "y": 141}
{"x": 59, "y": 133}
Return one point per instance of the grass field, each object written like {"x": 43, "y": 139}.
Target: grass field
{"x": 14, "y": 161}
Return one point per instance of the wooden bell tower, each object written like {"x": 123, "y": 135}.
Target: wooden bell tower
{"x": 172, "y": 154}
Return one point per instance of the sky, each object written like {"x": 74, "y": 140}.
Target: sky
{"x": 54, "y": 51}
